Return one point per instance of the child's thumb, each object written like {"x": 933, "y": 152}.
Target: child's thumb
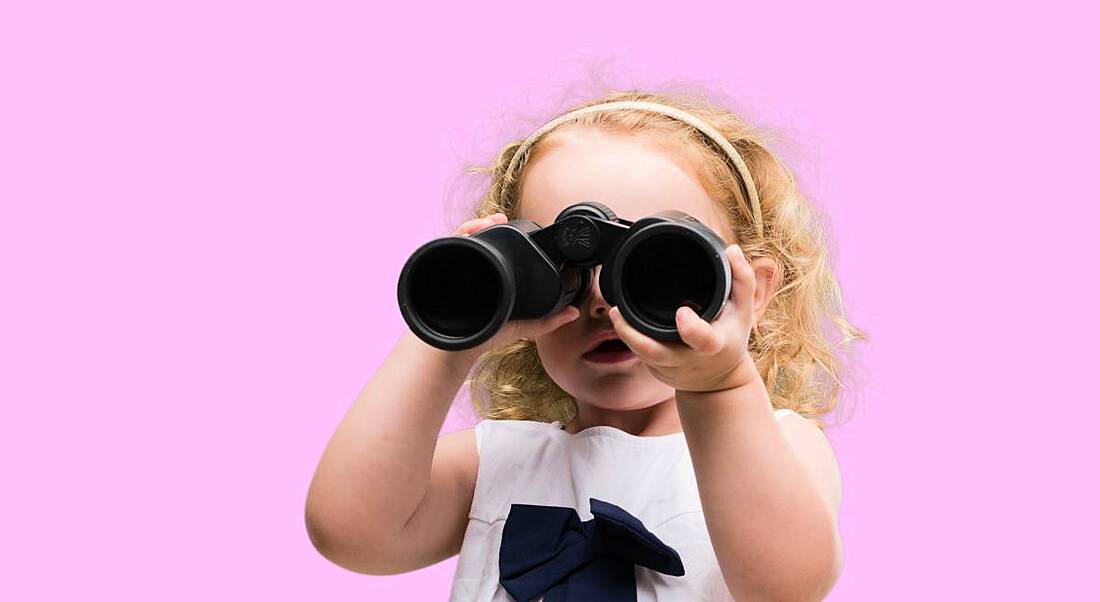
{"x": 557, "y": 320}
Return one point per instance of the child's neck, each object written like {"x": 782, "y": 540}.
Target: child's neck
{"x": 654, "y": 421}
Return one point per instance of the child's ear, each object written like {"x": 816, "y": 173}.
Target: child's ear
{"x": 767, "y": 279}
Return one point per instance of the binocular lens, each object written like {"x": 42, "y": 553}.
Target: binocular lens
{"x": 455, "y": 290}
{"x": 664, "y": 272}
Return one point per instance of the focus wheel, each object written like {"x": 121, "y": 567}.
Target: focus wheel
{"x": 592, "y": 208}
{"x": 607, "y": 212}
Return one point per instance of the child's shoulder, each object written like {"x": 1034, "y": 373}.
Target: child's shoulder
{"x": 456, "y": 456}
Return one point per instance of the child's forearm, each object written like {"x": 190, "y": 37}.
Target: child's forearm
{"x": 771, "y": 530}
{"x": 375, "y": 469}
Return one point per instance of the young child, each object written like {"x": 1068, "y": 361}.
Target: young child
{"x": 693, "y": 470}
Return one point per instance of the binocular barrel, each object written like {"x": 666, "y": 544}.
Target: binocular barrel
{"x": 456, "y": 292}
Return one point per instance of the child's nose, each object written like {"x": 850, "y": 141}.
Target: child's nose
{"x": 597, "y": 305}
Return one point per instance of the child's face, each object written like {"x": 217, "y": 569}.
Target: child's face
{"x": 635, "y": 177}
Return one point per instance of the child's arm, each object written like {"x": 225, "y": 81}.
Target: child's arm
{"x": 387, "y": 497}
{"x": 770, "y": 491}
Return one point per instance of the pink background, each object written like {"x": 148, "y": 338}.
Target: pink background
{"x": 206, "y": 205}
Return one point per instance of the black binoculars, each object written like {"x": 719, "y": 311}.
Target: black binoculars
{"x": 456, "y": 292}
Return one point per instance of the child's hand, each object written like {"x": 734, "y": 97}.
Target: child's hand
{"x": 711, "y": 353}
{"x": 476, "y": 225}
{"x": 513, "y": 330}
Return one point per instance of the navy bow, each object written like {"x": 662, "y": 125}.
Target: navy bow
{"x": 547, "y": 549}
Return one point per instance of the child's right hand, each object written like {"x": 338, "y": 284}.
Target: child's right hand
{"x": 513, "y": 330}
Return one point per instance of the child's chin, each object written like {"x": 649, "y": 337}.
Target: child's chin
{"x": 633, "y": 395}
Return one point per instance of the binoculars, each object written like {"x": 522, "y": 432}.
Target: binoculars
{"x": 456, "y": 292}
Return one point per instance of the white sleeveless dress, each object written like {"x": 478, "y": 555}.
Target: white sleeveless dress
{"x": 529, "y": 462}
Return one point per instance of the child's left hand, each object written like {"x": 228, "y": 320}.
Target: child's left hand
{"x": 711, "y": 353}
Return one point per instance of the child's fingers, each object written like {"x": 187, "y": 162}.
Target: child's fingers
{"x": 563, "y": 317}
{"x": 697, "y": 333}
{"x": 473, "y": 226}
{"x": 476, "y": 225}
{"x": 649, "y": 350}
{"x": 744, "y": 283}
{"x": 536, "y": 328}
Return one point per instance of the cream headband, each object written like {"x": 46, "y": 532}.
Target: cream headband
{"x": 747, "y": 184}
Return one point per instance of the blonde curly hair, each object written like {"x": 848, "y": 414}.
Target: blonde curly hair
{"x": 799, "y": 365}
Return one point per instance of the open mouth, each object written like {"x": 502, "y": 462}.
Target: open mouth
{"x": 610, "y": 351}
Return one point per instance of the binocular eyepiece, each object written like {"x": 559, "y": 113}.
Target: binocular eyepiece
{"x": 456, "y": 292}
